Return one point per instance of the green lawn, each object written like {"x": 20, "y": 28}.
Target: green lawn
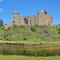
{"x": 13, "y": 57}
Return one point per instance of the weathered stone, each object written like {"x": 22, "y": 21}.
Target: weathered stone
{"x": 41, "y": 18}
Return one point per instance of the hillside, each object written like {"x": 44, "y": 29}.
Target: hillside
{"x": 31, "y": 34}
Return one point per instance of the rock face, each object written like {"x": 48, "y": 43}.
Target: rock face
{"x": 41, "y": 18}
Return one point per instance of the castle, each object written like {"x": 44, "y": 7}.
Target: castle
{"x": 41, "y": 18}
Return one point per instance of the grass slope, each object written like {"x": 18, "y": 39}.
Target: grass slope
{"x": 14, "y": 57}
{"x": 29, "y": 34}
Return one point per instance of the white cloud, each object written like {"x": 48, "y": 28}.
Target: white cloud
{"x": 1, "y": 0}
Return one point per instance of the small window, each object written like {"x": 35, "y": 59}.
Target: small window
{"x": 45, "y": 12}
{"x": 13, "y": 21}
{"x": 25, "y": 20}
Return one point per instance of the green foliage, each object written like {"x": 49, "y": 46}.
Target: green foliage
{"x": 58, "y": 29}
{"x": 1, "y": 23}
{"x": 29, "y": 33}
{"x": 34, "y": 28}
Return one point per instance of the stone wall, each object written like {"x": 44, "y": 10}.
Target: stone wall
{"x": 41, "y": 18}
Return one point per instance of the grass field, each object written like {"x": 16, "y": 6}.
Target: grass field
{"x": 14, "y": 57}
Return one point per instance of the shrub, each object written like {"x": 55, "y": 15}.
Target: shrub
{"x": 34, "y": 28}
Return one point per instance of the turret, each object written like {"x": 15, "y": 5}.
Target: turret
{"x": 16, "y": 18}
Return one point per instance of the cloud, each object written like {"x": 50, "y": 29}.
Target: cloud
{"x": 1, "y": 0}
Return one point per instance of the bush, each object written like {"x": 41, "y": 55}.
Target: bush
{"x": 34, "y": 28}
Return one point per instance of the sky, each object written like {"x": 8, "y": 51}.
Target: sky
{"x": 29, "y": 7}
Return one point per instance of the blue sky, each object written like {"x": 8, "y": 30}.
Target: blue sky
{"x": 29, "y": 7}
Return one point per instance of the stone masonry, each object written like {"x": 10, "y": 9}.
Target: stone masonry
{"x": 41, "y": 18}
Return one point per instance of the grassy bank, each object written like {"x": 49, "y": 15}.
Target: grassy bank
{"x": 14, "y": 57}
{"x": 30, "y": 34}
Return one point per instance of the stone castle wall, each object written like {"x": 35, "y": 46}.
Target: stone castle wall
{"x": 41, "y": 18}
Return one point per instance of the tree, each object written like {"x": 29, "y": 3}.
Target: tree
{"x": 58, "y": 28}
{"x": 1, "y": 22}
{"x": 34, "y": 28}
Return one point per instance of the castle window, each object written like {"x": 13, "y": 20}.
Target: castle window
{"x": 25, "y": 20}
{"x": 30, "y": 21}
{"x": 45, "y": 12}
{"x": 13, "y": 21}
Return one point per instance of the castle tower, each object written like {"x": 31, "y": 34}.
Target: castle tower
{"x": 16, "y": 18}
{"x": 43, "y": 18}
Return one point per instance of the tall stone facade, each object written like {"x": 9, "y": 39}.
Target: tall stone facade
{"x": 41, "y": 18}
